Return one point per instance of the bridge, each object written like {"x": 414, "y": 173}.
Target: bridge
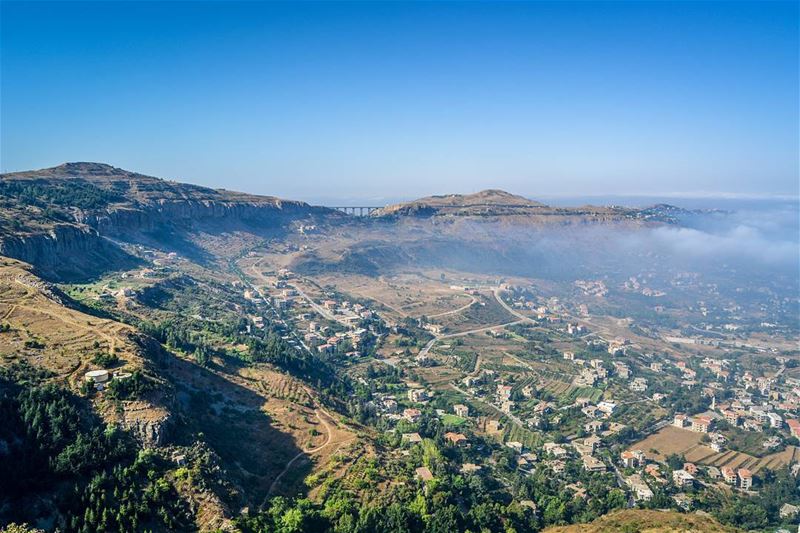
{"x": 359, "y": 211}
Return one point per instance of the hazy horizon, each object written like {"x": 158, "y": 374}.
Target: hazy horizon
{"x": 399, "y": 101}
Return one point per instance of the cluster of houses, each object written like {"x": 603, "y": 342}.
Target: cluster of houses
{"x": 756, "y": 403}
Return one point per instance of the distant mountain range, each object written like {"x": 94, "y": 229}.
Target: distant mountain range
{"x": 67, "y": 220}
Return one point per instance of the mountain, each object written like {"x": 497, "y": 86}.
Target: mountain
{"x": 495, "y": 204}
{"x": 66, "y": 220}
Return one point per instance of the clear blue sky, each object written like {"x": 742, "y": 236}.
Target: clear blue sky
{"x": 325, "y": 100}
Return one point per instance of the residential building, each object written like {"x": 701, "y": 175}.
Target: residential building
{"x": 794, "y": 427}
{"x": 701, "y": 424}
{"x": 633, "y": 458}
{"x": 592, "y": 443}
{"x": 680, "y": 421}
{"x": 607, "y": 407}
{"x": 745, "y": 478}
{"x": 514, "y": 445}
{"x": 461, "y": 410}
{"x": 682, "y": 478}
{"x": 424, "y": 473}
{"x": 456, "y": 439}
{"x": 417, "y": 395}
{"x": 729, "y": 475}
{"x": 641, "y": 491}
{"x": 593, "y": 426}
{"x": 412, "y": 415}
{"x": 413, "y": 438}
{"x": 593, "y": 464}
{"x": 788, "y": 511}
{"x": 731, "y": 417}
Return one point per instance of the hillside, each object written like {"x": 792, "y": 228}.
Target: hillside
{"x": 43, "y": 329}
{"x": 646, "y": 521}
{"x": 495, "y": 203}
{"x": 189, "y": 416}
{"x": 68, "y": 220}
{"x": 100, "y": 185}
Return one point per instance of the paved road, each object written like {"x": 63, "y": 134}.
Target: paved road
{"x": 511, "y": 417}
{"x": 427, "y": 347}
{"x": 316, "y": 307}
{"x": 454, "y": 311}
{"x": 508, "y": 308}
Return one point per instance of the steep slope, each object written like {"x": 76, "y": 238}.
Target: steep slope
{"x": 643, "y": 521}
{"x": 43, "y": 329}
{"x": 60, "y": 219}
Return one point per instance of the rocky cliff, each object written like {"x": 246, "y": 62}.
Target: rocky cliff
{"x": 66, "y": 251}
{"x": 68, "y": 220}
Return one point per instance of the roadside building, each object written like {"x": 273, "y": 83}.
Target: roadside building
{"x": 701, "y": 424}
{"x": 641, "y": 491}
{"x": 731, "y": 417}
{"x": 680, "y": 421}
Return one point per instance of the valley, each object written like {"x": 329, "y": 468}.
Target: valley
{"x": 278, "y": 361}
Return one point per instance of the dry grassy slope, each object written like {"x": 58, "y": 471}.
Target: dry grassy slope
{"x": 497, "y": 203}
{"x": 48, "y": 334}
{"x": 62, "y": 340}
{"x": 35, "y": 314}
{"x": 646, "y": 521}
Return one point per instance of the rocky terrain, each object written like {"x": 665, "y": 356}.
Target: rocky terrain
{"x": 67, "y": 220}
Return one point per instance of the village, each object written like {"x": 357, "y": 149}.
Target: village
{"x": 736, "y": 423}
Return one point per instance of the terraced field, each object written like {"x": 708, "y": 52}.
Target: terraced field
{"x": 48, "y": 334}
{"x": 672, "y": 440}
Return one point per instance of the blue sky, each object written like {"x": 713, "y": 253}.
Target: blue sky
{"x": 369, "y": 100}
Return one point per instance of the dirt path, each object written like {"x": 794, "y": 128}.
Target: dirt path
{"x": 330, "y": 431}
{"x": 10, "y": 311}
{"x": 302, "y": 454}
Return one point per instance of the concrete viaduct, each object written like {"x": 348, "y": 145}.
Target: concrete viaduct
{"x": 359, "y": 211}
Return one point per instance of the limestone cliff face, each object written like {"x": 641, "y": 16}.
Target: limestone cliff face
{"x": 64, "y": 250}
{"x": 67, "y": 219}
{"x": 87, "y": 247}
{"x": 115, "y": 220}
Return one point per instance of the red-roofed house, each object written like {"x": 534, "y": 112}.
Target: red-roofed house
{"x": 745, "y": 478}
{"x": 794, "y": 427}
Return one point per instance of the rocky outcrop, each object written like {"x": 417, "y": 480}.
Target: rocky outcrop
{"x": 66, "y": 251}
{"x": 124, "y": 219}
{"x": 148, "y": 424}
{"x": 61, "y": 219}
